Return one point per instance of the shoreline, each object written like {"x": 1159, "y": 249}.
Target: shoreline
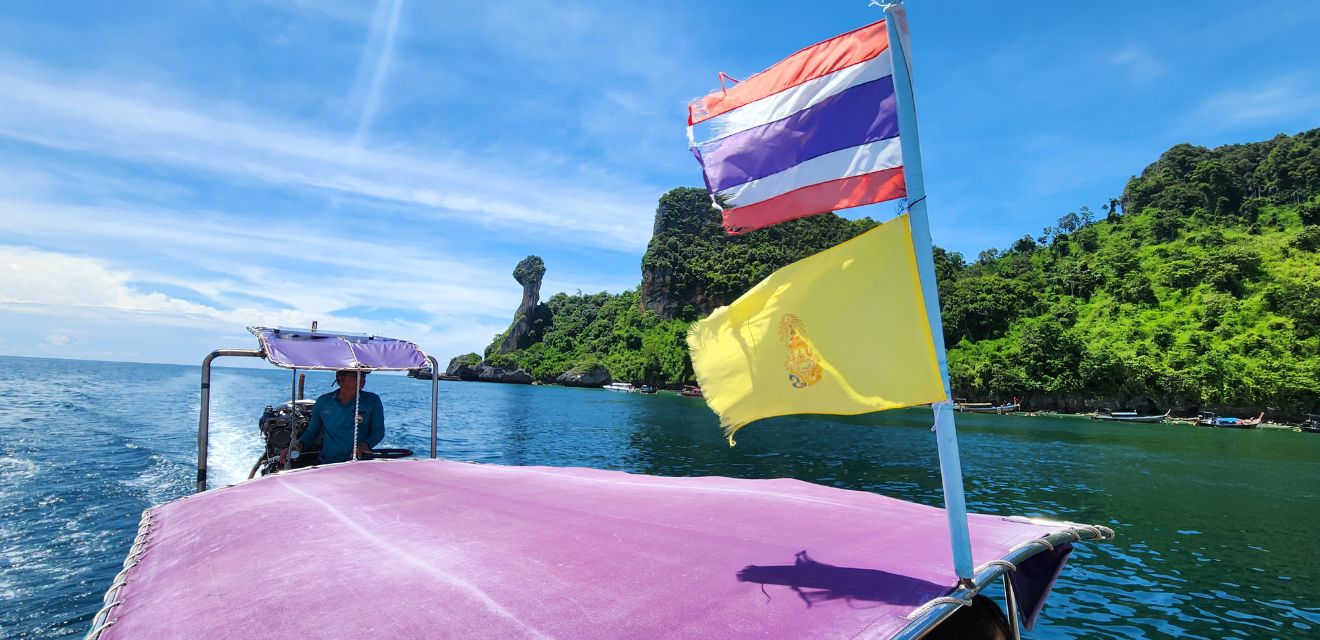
{"x": 1281, "y": 426}
{"x": 1278, "y": 426}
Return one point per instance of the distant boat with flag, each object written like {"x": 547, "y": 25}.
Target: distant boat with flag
{"x": 434, "y": 548}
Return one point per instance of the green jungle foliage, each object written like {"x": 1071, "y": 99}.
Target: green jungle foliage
{"x": 609, "y": 330}
{"x": 709, "y": 268}
{"x": 1199, "y": 287}
{"x": 703, "y": 264}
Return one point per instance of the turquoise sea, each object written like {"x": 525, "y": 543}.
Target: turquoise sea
{"x": 1218, "y": 530}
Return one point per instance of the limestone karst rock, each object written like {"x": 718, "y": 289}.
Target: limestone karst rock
{"x": 531, "y": 314}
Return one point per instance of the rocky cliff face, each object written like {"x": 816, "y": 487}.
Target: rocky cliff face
{"x": 655, "y": 296}
{"x": 692, "y": 266}
{"x": 531, "y": 314}
{"x": 594, "y": 376}
{"x": 463, "y": 368}
{"x": 685, "y": 220}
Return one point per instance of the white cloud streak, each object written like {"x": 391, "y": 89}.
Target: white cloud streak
{"x": 1284, "y": 98}
{"x": 75, "y": 291}
{"x": 378, "y": 54}
{"x": 42, "y": 107}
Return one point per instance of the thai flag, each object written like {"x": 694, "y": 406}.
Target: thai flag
{"x": 814, "y": 133}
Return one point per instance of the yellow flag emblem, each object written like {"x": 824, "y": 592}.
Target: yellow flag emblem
{"x": 841, "y": 332}
{"x": 803, "y": 367}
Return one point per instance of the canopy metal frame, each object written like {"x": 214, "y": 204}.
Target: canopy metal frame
{"x": 204, "y": 422}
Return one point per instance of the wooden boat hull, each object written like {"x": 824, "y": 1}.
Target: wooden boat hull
{"x": 1123, "y": 418}
{"x": 1006, "y": 408}
{"x": 1142, "y": 419}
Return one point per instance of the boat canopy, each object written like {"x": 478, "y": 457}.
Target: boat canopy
{"x": 434, "y": 548}
{"x": 303, "y": 349}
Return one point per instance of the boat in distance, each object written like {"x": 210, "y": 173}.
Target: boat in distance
{"x": 620, "y": 386}
{"x": 1129, "y": 416}
{"x": 690, "y": 391}
{"x": 986, "y": 407}
{"x": 1209, "y": 419}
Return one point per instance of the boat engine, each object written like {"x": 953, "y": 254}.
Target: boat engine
{"x": 280, "y": 425}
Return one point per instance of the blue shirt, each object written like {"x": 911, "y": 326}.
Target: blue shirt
{"x": 332, "y": 421}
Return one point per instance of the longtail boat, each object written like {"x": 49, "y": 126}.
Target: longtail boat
{"x": 430, "y": 548}
{"x": 1209, "y": 419}
{"x": 1129, "y": 416}
{"x": 437, "y": 548}
{"x": 986, "y": 407}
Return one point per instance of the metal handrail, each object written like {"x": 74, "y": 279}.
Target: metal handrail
{"x": 204, "y": 423}
{"x": 927, "y": 617}
{"x": 435, "y": 399}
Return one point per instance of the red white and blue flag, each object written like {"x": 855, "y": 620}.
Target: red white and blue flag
{"x": 814, "y": 133}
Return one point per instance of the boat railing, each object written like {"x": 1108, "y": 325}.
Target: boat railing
{"x": 929, "y": 615}
{"x": 204, "y": 421}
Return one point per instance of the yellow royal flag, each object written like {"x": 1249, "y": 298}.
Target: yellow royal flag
{"x": 841, "y": 332}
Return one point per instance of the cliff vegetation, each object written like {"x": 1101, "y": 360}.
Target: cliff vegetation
{"x": 1199, "y": 287}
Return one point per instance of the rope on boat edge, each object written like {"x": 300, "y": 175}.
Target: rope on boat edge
{"x": 102, "y": 621}
{"x": 1008, "y": 566}
{"x": 1038, "y": 541}
{"x": 921, "y": 611}
{"x": 1073, "y": 530}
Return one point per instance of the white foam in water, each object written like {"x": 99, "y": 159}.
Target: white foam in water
{"x": 233, "y": 449}
{"x": 14, "y": 469}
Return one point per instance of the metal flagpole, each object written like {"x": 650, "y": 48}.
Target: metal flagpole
{"x": 946, "y": 436}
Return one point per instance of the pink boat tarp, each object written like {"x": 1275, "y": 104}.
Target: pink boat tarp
{"x": 433, "y": 548}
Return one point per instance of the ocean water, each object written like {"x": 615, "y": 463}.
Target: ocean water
{"x": 1218, "y": 529}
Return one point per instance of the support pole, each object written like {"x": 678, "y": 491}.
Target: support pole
{"x": 1010, "y": 603}
{"x": 946, "y": 436}
{"x": 204, "y": 422}
{"x": 435, "y": 400}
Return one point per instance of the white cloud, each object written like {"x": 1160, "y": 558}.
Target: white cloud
{"x": 317, "y": 268}
{"x": 112, "y": 118}
{"x": 1139, "y": 63}
{"x": 374, "y": 66}
{"x": 1281, "y": 99}
{"x": 70, "y": 293}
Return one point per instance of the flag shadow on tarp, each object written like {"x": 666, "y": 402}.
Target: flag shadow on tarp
{"x": 816, "y": 582}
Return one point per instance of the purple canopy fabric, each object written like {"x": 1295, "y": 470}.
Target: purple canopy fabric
{"x": 431, "y": 548}
{"x": 298, "y": 349}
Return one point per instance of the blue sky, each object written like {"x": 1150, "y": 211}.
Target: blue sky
{"x": 172, "y": 172}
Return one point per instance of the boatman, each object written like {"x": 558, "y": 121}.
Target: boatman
{"x": 332, "y": 419}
